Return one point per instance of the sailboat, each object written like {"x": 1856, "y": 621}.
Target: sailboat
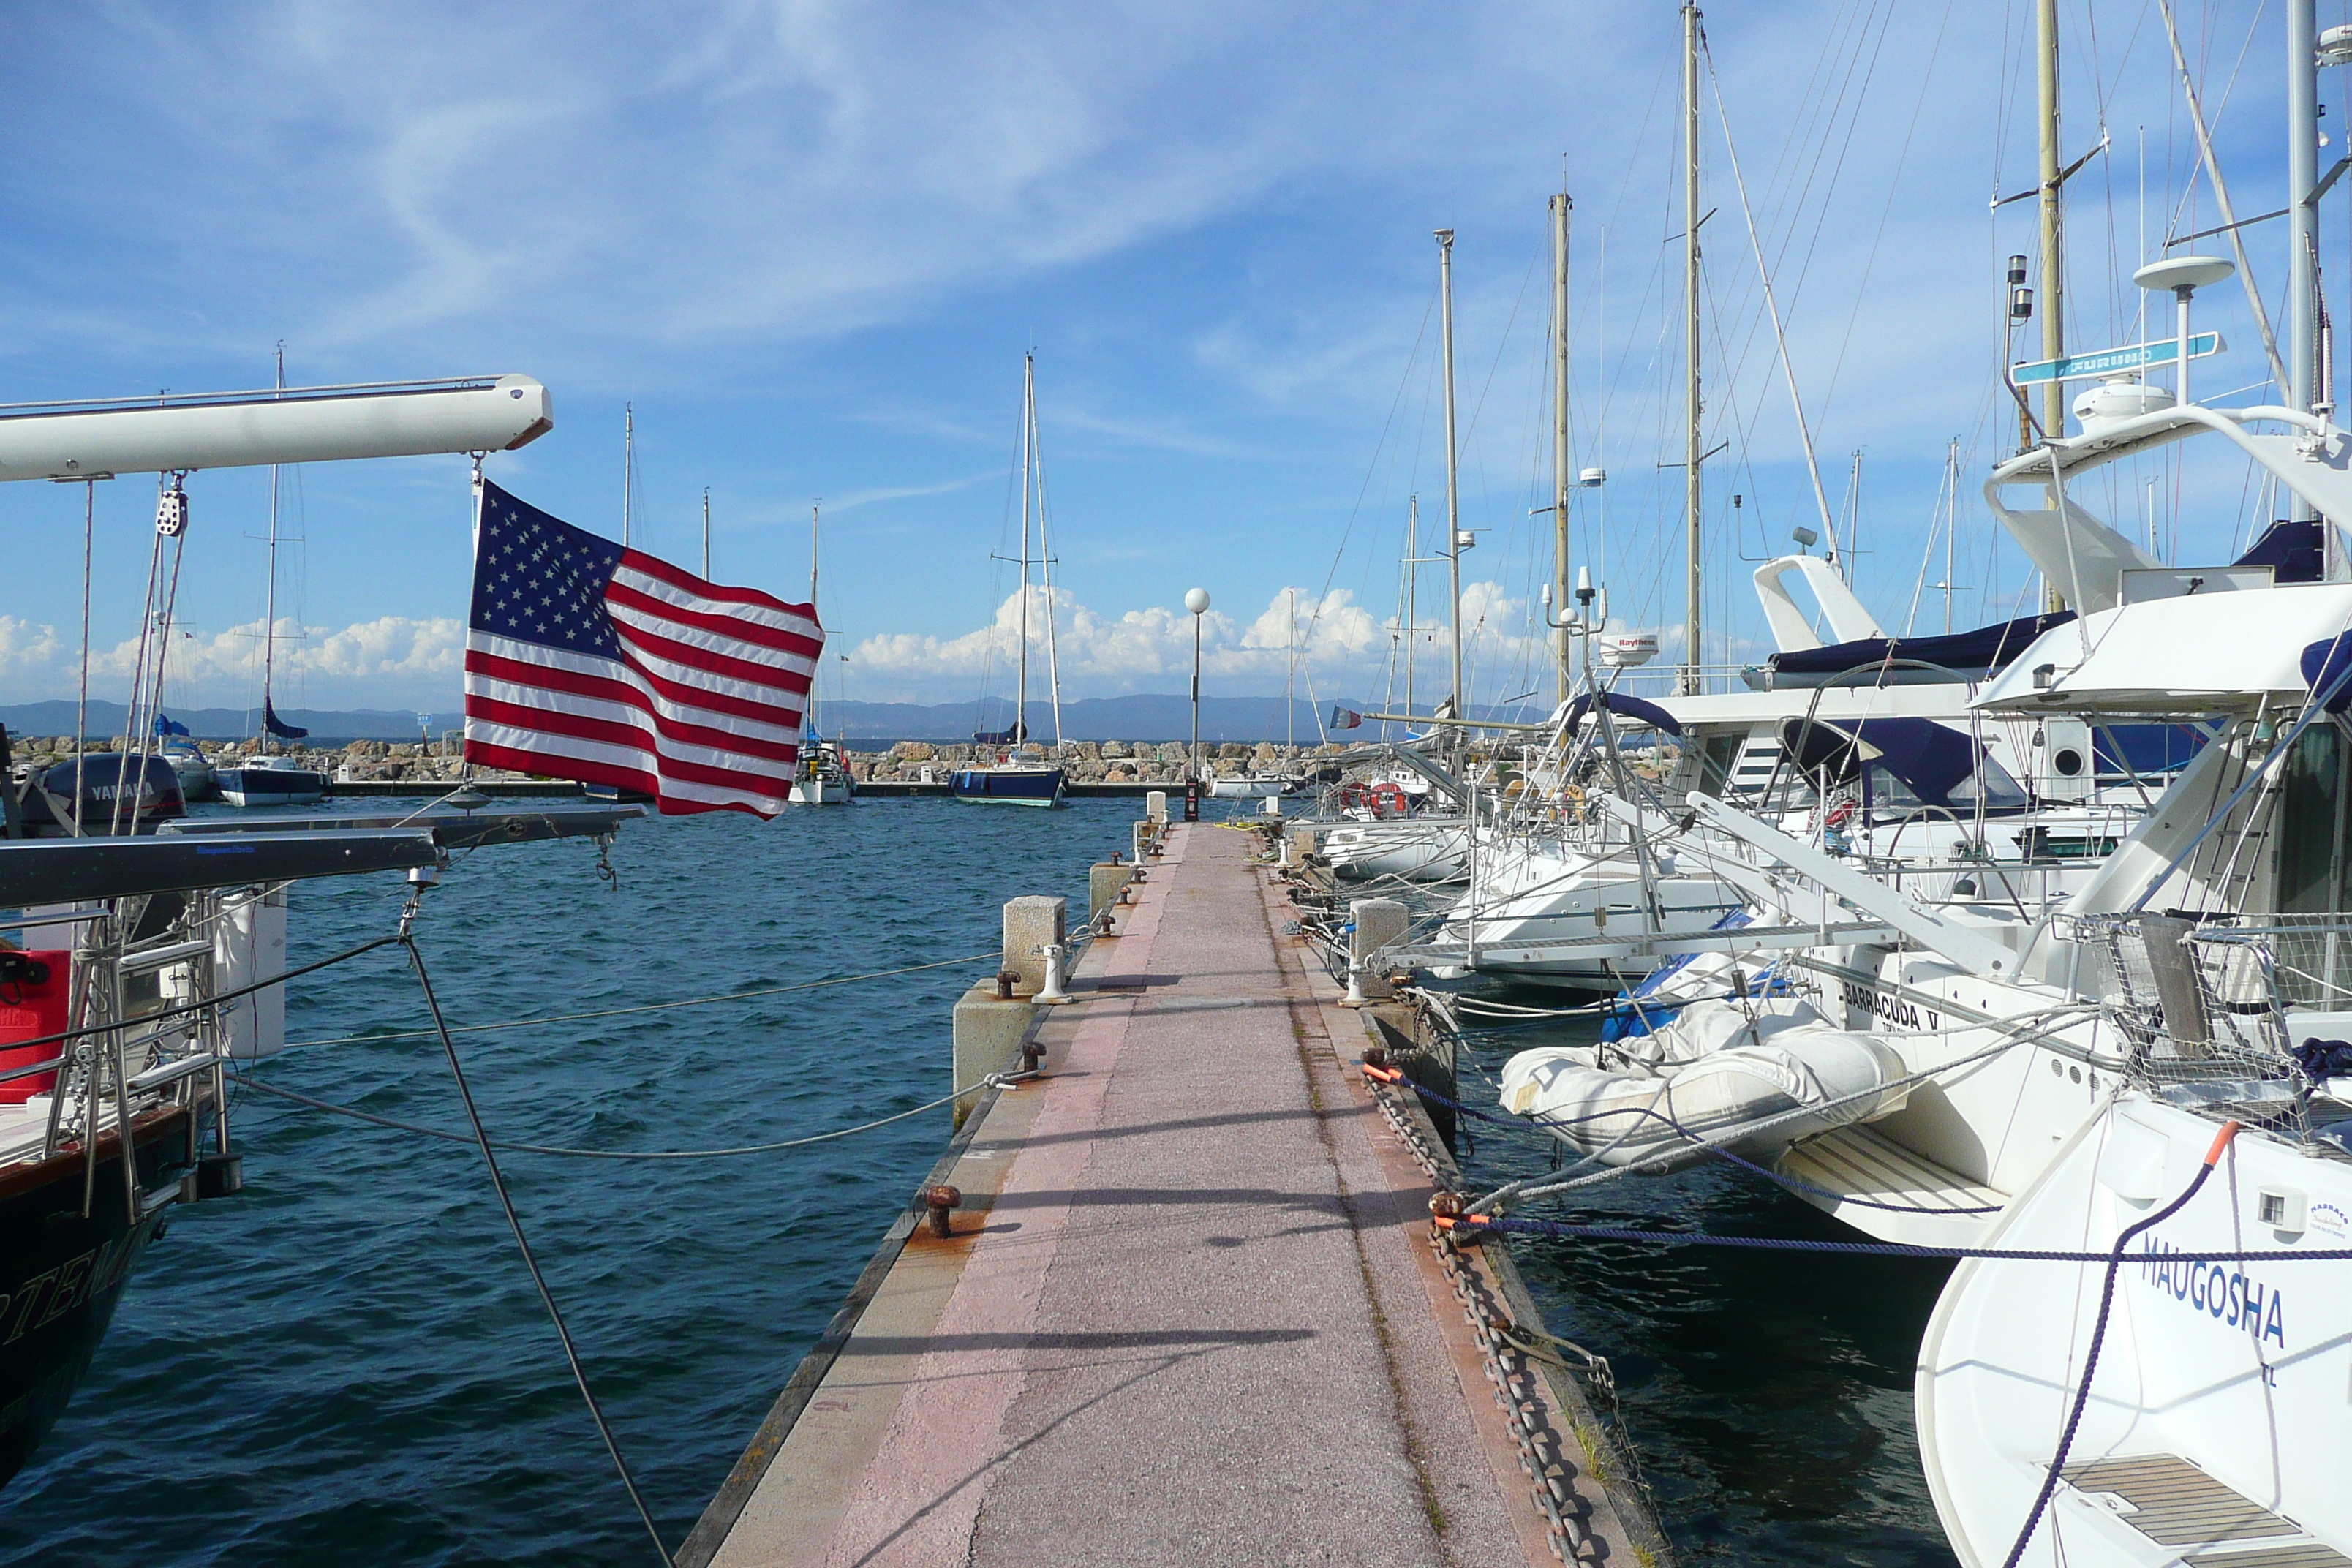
{"x": 268, "y": 778}
{"x": 822, "y": 777}
{"x": 1008, "y": 781}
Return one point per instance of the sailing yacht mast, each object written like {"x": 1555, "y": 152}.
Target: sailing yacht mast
{"x": 1028, "y": 425}
{"x": 1046, "y": 569}
{"x": 2302, "y": 175}
{"x": 706, "y": 547}
{"x": 808, "y": 715}
{"x": 269, "y": 594}
{"x": 1563, "y": 587}
{"x": 1290, "y": 671}
{"x": 628, "y": 469}
{"x": 1411, "y": 599}
{"x": 2053, "y": 303}
{"x": 1452, "y": 488}
{"x": 1692, "y": 454}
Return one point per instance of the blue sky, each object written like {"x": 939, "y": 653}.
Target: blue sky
{"x": 810, "y": 242}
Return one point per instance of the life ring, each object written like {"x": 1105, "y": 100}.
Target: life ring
{"x": 1387, "y": 799}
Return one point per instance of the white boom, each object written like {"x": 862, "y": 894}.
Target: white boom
{"x": 296, "y": 425}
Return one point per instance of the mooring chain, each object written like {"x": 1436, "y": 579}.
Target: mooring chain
{"x": 1510, "y": 1370}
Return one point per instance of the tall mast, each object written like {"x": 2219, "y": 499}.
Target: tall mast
{"x": 706, "y": 547}
{"x": 2053, "y": 303}
{"x": 628, "y": 468}
{"x": 1694, "y": 407}
{"x": 269, "y": 594}
{"x": 1028, "y": 415}
{"x": 1291, "y": 670}
{"x": 1951, "y": 525}
{"x": 1453, "y": 455}
{"x": 2302, "y": 174}
{"x": 816, "y": 507}
{"x": 1046, "y": 570}
{"x": 1411, "y": 599}
{"x": 1560, "y": 207}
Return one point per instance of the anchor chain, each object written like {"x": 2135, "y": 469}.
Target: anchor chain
{"x": 1510, "y": 1369}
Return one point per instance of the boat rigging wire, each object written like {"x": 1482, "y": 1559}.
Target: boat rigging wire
{"x": 514, "y": 1222}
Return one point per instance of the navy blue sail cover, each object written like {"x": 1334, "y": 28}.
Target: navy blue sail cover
{"x": 2292, "y": 548}
{"x": 1972, "y": 654}
{"x": 1625, "y": 706}
{"x": 279, "y": 727}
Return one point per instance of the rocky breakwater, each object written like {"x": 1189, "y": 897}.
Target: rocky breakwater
{"x": 1090, "y": 761}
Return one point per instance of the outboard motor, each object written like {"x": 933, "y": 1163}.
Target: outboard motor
{"x": 47, "y": 807}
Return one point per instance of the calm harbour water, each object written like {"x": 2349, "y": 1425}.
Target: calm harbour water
{"x": 349, "y": 1360}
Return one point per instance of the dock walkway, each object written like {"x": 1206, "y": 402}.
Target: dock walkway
{"x": 1189, "y": 1313}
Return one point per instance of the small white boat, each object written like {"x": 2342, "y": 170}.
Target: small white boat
{"x": 271, "y": 781}
{"x": 196, "y": 774}
{"x": 1256, "y": 787}
{"x": 1418, "y": 849}
{"x": 821, "y": 778}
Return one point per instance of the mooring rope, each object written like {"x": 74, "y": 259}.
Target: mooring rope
{"x": 620, "y": 1012}
{"x": 995, "y": 1080}
{"x": 522, "y": 1243}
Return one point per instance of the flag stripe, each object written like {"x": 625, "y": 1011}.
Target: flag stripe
{"x": 674, "y": 801}
{"x": 502, "y": 707}
{"x": 618, "y": 684}
{"x": 660, "y": 571}
{"x": 725, "y": 628}
{"x": 589, "y": 661}
{"x": 709, "y": 661}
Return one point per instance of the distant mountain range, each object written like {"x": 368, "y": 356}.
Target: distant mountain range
{"x": 326, "y": 726}
{"x": 1146, "y": 716}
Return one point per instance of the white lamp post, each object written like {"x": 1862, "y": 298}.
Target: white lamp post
{"x": 1197, "y": 601}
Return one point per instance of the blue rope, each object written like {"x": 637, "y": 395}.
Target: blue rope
{"x": 1877, "y": 1248}
{"x": 2098, "y": 1336}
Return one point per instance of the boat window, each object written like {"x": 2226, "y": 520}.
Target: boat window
{"x": 1999, "y": 788}
{"x": 2314, "y": 815}
{"x": 1716, "y": 753}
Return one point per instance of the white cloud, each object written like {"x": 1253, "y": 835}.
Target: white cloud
{"x": 392, "y": 660}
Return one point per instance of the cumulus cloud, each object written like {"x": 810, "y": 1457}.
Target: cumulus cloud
{"x": 1340, "y": 644}
{"x": 393, "y": 660}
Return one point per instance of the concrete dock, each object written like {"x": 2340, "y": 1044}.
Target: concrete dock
{"x": 1189, "y": 1309}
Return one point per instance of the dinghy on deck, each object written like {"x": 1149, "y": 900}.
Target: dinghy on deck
{"x": 1746, "y": 1078}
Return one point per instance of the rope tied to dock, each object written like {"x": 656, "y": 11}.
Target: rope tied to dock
{"x": 995, "y": 1080}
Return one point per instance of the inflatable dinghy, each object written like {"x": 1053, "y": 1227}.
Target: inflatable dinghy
{"x": 1753, "y": 1078}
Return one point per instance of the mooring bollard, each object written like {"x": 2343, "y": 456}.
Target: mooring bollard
{"x": 992, "y": 1019}
{"x": 1105, "y": 880}
{"x": 1379, "y": 925}
{"x": 1056, "y": 955}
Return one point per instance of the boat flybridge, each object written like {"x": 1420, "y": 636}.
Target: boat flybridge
{"x": 1867, "y": 742}
{"x": 139, "y": 948}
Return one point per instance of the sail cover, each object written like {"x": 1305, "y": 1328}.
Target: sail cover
{"x": 1970, "y": 655}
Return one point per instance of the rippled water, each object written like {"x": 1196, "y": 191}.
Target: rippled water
{"x": 348, "y": 1362}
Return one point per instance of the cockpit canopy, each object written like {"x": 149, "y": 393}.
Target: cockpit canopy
{"x": 1903, "y": 765}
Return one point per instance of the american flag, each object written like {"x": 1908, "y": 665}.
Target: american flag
{"x": 585, "y": 660}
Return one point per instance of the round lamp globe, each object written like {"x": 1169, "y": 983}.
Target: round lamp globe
{"x": 1197, "y": 601}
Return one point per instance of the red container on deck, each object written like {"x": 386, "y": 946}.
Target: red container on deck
{"x": 34, "y": 992}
